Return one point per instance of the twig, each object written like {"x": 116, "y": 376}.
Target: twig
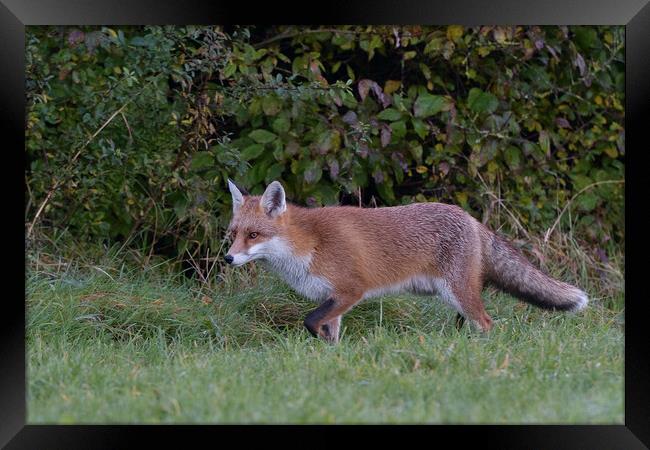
{"x": 196, "y": 267}
{"x": 30, "y": 195}
{"x": 94, "y": 135}
{"x": 40, "y": 208}
{"x": 128, "y": 128}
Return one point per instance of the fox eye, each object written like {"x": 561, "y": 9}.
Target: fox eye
{"x": 253, "y": 235}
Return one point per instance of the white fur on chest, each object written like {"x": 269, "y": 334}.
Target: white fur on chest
{"x": 279, "y": 257}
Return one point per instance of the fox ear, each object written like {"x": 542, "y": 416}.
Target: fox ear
{"x": 273, "y": 200}
{"x": 237, "y": 196}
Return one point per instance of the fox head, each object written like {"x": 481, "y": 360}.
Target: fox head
{"x": 257, "y": 224}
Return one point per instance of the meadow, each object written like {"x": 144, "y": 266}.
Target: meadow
{"x": 110, "y": 341}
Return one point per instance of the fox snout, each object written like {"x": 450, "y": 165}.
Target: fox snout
{"x": 239, "y": 258}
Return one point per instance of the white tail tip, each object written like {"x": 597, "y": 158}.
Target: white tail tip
{"x": 582, "y": 302}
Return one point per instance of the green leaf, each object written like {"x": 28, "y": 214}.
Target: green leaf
{"x": 416, "y": 151}
{"x": 421, "y": 128}
{"x": 313, "y": 173}
{"x": 350, "y": 72}
{"x": 258, "y": 172}
{"x": 454, "y": 32}
{"x": 587, "y": 201}
{"x": 180, "y": 207}
{"x": 274, "y": 172}
{"x": 488, "y": 151}
{"x": 425, "y": 71}
{"x": 385, "y": 190}
{"x": 201, "y": 160}
{"x": 262, "y": 136}
{"x": 271, "y": 105}
{"x": 325, "y": 194}
{"x": 229, "y": 70}
{"x": 433, "y": 46}
{"x": 359, "y": 176}
{"x": 580, "y": 182}
{"x": 480, "y": 101}
{"x": 534, "y": 150}
{"x": 252, "y": 151}
{"x": 281, "y": 125}
{"x": 139, "y": 41}
{"x": 585, "y": 37}
{"x": 398, "y": 129}
{"x": 328, "y": 140}
{"x": 389, "y": 114}
{"x": 512, "y": 156}
{"x": 611, "y": 152}
{"x": 544, "y": 142}
{"x": 461, "y": 197}
{"x": 409, "y": 55}
{"x": 427, "y": 105}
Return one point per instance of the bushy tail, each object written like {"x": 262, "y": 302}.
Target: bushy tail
{"x": 509, "y": 270}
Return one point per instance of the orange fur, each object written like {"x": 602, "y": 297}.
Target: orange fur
{"x": 358, "y": 252}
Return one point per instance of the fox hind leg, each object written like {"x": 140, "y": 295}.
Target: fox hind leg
{"x": 473, "y": 309}
{"x": 460, "y": 321}
{"x": 466, "y": 299}
{"x": 331, "y": 330}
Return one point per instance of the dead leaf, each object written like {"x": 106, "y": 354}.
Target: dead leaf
{"x": 391, "y": 86}
{"x": 385, "y": 135}
{"x": 94, "y": 296}
{"x": 444, "y": 168}
{"x": 364, "y": 87}
{"x": 580, "y": 64}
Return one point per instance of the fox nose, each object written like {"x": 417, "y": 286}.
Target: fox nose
{"x": 229, "y": 259}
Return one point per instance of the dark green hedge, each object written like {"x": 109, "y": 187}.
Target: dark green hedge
{"x": 134, "y": 130}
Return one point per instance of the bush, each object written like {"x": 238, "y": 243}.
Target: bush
{"x": 134, "y": 131}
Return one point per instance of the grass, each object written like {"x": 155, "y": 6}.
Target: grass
{"x": 109, "y": 344}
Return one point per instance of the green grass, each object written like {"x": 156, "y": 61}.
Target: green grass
{"x": 110, "y": 345}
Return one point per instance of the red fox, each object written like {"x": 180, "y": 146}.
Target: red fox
{"x": 341, "y": 255}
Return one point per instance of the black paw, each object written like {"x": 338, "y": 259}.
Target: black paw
{"x": 460, "y": 321}
{"x": 311, "y": 326}
{"x": 327, "y": 333}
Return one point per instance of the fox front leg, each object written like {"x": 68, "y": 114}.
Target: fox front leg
{"x": 317, "y": 318}
{"x": 325, "y": 320}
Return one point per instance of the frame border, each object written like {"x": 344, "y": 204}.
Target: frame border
{"x": 634, "y": 14}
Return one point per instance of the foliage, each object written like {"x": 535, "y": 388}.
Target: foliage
{"x": 136, "y": 129}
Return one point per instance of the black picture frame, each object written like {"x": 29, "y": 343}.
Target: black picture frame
{"x": 634, "y": 14}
